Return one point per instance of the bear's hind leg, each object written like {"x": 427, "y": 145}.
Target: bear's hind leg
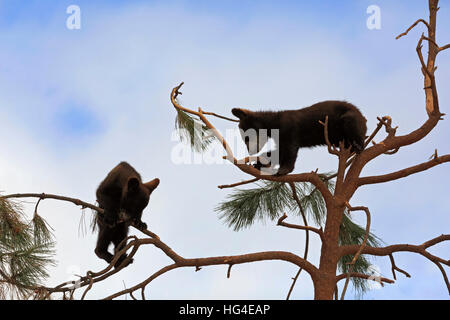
{"x": 103, "y": 241}
{"x": 121, "y": 232}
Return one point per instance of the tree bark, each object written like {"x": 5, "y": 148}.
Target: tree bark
{"x": 325, "y": 282}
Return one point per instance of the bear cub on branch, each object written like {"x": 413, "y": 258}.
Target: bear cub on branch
{"x": 301, "y": 128}
{"x": 123, "y": 197}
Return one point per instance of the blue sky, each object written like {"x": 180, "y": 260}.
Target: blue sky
{"x": 76, "y": 102}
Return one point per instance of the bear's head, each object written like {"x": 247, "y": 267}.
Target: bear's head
{"x": 135, "y": 197}
{"x": 250, "y": 125}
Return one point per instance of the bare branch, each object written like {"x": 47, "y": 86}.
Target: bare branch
{"x": 412, "y": 26}
{"x": 366, "y": 235}
{"x": 143, "y": 283}
{"x": 444, "y": 275}
{"x": 432, "y": 106}
{"x": 385, "y": 251}
{"x": 299, "y": 227}
{"x": 394, "y": 267}
{"x": 91, "y": 282}
{"x": 225, "y": 260}
{"x": 229, "y": 271}
{"x": 143, "y": 293}
{"x": 238, "y": 183}
{"x": 392, "y": 151}
{"x": 174, "y": 95}
{"x": 431, "y": 41}
{"x": 361, "y": 248}
{"x": 41, "y": 196}
{"x": 312, "y": 177}
{"x": 132, "y": 296}
{"x": 374, "y": 133}
{"x": 219, "y": 116}
{"x": 422, "y": 62}
{"x": 331, "y": 149}
{"x": 331, "y": 252}
{"x": 343, "y": 155}
{"x": 367, "y": 142}
{"x": 420, "y": 249}
{"x": 404, "y": 172}
{"x": 362, "y": 276}
{"x": 387, "y": 122}
{"x": 305, "y": 222}
{"x": 75, "y": 201}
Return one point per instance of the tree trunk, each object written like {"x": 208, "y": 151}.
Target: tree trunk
{"x": 325, "y": 283}
{"x": 324, "y": 286}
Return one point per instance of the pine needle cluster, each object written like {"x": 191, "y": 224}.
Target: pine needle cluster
{"x": 26, "y": 251}
{"x": 192, "y": 130}
{"x": 269, "y": 200}
{"x": 351, "y": 233}
{"x": 245, "y": 206}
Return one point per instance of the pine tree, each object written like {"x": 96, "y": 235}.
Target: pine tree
{"x": 268, "y": 200}
{"x": 26, "y": 251}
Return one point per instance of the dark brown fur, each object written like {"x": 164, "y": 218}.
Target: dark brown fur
{"x": 123, "y": 196}
{"x": 301, "y": 128}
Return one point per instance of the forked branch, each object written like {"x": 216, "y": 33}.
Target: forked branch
{"x": 363, "y": 276}
{"x": 404, "y": 172}
{"x": 420, "y": 249}
{"x": 395, "y": 268}
{"x": 311, "y": 177}
{"x": 224, "y": 186}
{"x": 331, "y": 148}
{"x": 412, "y": 26}
{"x": 281, "y": 222}
{"x": 361, "y": 248}
{"x": 179, "y": 261}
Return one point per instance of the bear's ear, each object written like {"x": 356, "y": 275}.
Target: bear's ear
{"x": 240, "y": 113}
{"x": 133, "y": 184}
{"x": 151, "y": 185}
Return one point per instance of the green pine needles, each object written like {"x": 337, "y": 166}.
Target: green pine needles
{"x": 269, "y": 200}
{"x": 244, "y": 206}
{"x": 26, "y": 251}
{"x": 350, "y": 234}
{"x": 192, "y": 130}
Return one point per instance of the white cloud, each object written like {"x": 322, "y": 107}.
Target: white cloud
{"x": 122, "y": 66}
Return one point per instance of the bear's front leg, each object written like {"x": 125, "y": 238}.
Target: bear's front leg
{"x": 287, "y": 160}
{"x": 120, "y": 234}
{"x": 109, "y": 217}
{"x": 357, "y": 147}
{"x": 264, "y": 161}
{"x": 282, "y": 171}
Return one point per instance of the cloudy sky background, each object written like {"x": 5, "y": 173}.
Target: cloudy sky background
{"x": 74, "y": 103}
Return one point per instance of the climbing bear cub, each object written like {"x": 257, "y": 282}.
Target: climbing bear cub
{"x": 301, "y": 128}
{"x": 123, "y": 197}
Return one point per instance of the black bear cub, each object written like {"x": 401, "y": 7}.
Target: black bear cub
{"x": 123, "y": 197}
{"x": 301, "y": 128}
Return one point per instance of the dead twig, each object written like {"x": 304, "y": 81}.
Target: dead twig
{"x": 361, "y": 248}
{"x": 281, "y": 222}
{"x": 238, "y": 183}
{"x": 412, "y": 26}
{"x": 394, "y": 268}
